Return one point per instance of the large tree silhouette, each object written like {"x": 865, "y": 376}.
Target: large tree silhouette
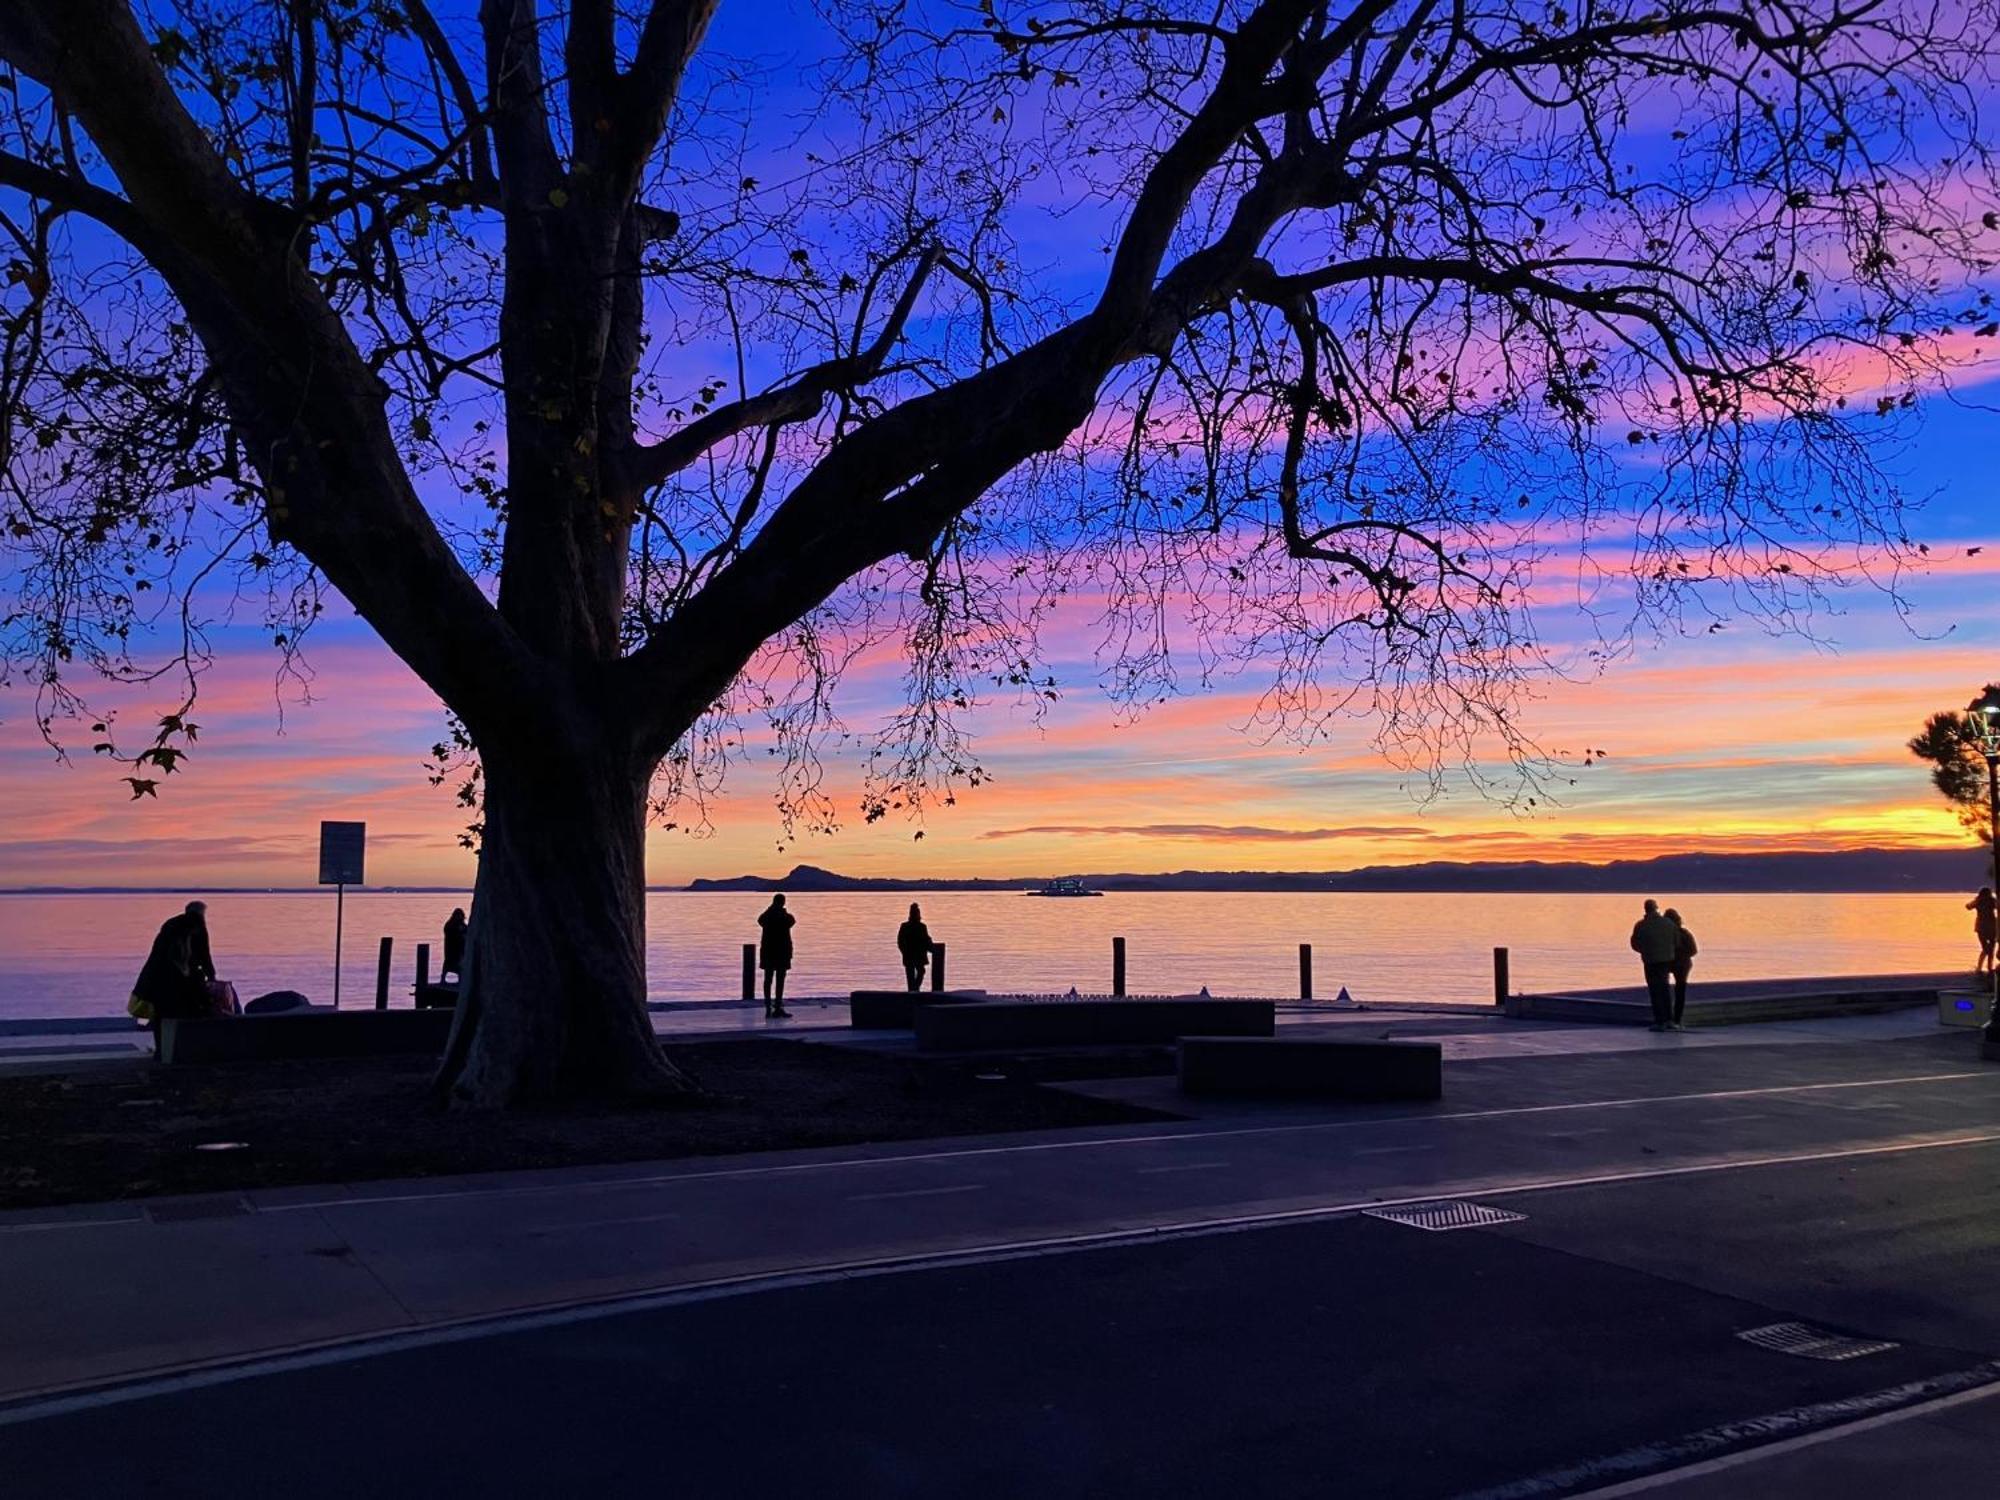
{"x": 619, "y": 403}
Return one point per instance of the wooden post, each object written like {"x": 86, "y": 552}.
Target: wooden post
{"x": 937, "y": 968}
{"x": 382, "y": 976}
{"x": 1118, "y": 966}
{"x": 1305, "y": 971}
{"x": 423, "y": 973}
{"x": 1500, "y": 982}
{"x": 749, "y": 971}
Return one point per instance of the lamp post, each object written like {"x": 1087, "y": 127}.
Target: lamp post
{"x": 1985, "y": 717}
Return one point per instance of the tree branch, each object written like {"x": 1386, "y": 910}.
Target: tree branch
{"x": 797, "y": 398}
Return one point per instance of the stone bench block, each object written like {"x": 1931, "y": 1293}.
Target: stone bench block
{"x": 896, "y": 1010}
{"x": 1371, "y": 1071}
{"x": 317, "y": 1033}
{"x": 1086, "y": 1023}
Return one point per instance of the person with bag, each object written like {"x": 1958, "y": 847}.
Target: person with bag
{"x": 177, "y": 976}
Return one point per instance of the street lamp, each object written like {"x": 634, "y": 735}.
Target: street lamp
{"x": 1984, "y": 714}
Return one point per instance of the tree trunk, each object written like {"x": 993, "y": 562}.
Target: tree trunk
{"x": 552, "y": 1003}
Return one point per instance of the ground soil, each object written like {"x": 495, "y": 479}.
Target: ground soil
{"x": 103, "y": 1132}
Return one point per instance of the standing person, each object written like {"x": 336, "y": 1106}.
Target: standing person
{"x": 774, "y": 954}
{"x": 1654, "y": 940}
{"x": 174, "y": 979}
{"x": 1985, "y": 923}
{"x": 454, "y": 945}
{"x": 1684, "y": 951}
{"x": 913, "y": 941}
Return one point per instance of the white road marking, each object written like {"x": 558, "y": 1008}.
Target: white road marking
{"x": 94, "y": 1395}
{"x": 1030, "y": 1148}
{"x": 936, "y": 1192}
{"x": 1036, "y": 1147}
{"x": 1186, "y": 1166}
{"x": 1388, "y": 1150}
{"x": 600, "y": 1224}
{"x": 1821, "y": 1422}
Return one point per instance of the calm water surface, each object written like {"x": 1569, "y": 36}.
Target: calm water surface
{"x": 78, "y": 955}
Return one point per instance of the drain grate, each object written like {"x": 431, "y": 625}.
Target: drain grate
{"x": 1807, "y": 1342}
{"x": 1443, "y": 1215}
{"x": 197, "y": 1208}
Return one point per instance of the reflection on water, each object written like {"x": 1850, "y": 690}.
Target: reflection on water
{"x": 77, "y": 955}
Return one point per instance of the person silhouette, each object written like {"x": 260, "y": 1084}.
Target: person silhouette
{"x": 174, "y": 979}
{"x": 1985, "y": 925}
{"x": 454, "y": 945}
{"x": 1684, "y": 952}
{"x": 774, "y": 954}
{"x": 913, "y": 941}
{"x": 1654, "y": 940}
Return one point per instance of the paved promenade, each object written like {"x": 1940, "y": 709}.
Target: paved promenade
{"x": 1179, "y": 1289}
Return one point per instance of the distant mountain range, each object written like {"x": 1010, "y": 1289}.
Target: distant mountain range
{"x": 1858, "y": 870}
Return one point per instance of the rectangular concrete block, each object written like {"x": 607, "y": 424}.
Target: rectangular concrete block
{"x": 1085, "y": 1023}
{"x": 319, "y": 1033}
{"x": 1371, "y": 1071}
{"x": 895, "y": 1010}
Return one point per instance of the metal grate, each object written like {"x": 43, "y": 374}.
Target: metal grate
{"x": 197, "y": 1208}
{"x": 1807, "y": 1342}
{"x": 1448, "y": 1214}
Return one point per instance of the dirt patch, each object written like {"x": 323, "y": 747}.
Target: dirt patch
{"x": 117, "y": 1132}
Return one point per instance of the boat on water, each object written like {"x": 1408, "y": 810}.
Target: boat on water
{"x": 1068, "y": 885}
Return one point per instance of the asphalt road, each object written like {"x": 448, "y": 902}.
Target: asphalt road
{"x": 1343, "y": 1357}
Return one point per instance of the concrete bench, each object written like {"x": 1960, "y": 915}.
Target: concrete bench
{"x": 1373, "y": 1071}
{"x": 896, "y": 1010}
{"x": 316, "y": 1033}
{"x": 1085, "y": 1023}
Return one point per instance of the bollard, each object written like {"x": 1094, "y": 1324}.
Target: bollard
{"x": 1118, "y": 966}
{"x": 382, "y": 976}
{"x": 749, "y": 971}
{"x": 423, "y": 973}
{"x": 1305, "y": 971}
{"x": 1500, "y": 984}
{"x": 937, "y": 968}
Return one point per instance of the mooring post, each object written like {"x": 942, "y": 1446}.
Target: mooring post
{"x": 1118, "y": 966}
{"x": 382, "y": 976}
{"x": 937, "y": 968}
{"x": 1500, "y": 985}
{"x": 749, "y": 971}
{"x": 1305, "y": 971}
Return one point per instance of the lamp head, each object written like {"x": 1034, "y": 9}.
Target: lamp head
{"x": 1984, "y": 714}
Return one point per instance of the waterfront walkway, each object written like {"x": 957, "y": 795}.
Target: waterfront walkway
{"x": 1176, "y": 1307}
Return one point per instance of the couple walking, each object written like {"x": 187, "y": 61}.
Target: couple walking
{"x": 1667, "y": 949}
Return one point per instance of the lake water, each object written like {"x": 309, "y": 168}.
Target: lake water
{"x": 77, "y": 955}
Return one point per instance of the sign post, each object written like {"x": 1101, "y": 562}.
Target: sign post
{"x": 340, "y": 852}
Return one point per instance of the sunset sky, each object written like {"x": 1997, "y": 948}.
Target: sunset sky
{"x": 1735, "y": 740}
